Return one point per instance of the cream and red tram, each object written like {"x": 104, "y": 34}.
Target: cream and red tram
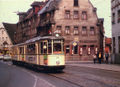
{"x": 46, "y": 52}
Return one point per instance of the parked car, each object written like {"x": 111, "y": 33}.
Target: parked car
{"x": 1, "y": 57}
{"x": 6, "y": 58}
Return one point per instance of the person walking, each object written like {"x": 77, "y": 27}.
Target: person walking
{"x": 107, "y": 57}
{"x": 94, "y": 58}
{"x": 100, "y": 56}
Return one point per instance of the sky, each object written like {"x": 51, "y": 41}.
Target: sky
{"x": 8, "y": 9}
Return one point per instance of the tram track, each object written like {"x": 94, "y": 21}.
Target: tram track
{"x": 69, "y": 77}
{"x": 90, "y": 79}
{"x": 69, "y": 81}
{"x": 74, "y": 77}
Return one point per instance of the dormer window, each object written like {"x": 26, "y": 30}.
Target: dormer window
{"x": 75, "y": 2}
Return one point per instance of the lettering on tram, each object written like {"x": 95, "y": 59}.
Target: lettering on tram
{"x": 41, "y": 52}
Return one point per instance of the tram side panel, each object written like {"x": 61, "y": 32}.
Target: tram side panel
{"x": 32, "y": 59}
{"x": 56, "y": 60}
{"x": 31, "y": 54}
{"x": 15, "y": 56}
{"x": 41, "y": 60}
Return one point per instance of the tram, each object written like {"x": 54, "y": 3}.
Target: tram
{"x": 41, "y": 52}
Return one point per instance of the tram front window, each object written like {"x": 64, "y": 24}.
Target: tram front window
{"x": 57, "y": 48}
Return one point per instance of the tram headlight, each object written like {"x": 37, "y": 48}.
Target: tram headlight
{"x": 57, "y": 35}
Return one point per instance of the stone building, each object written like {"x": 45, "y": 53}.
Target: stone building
{"x": 115, "y": 30}
{"x": 6, "y": 37}
{"x": 108, "y": 45}
{"x": 75, "y": 20}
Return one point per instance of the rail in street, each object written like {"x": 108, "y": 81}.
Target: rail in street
{"x": 72, "y": 76}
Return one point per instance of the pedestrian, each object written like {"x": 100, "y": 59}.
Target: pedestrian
{"x": 94, "y": 58}
{"x": 100, "y": 56}
{"x": 107, "y": 57}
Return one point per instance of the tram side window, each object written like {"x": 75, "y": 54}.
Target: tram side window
{"x": 43, "y": 47}
{"x": 21, "y": 50}
{"x": 15, "y": 51}
{"x": 57, "y": 47}
{"x": 49, "y": 46}
{"x": 31, "y": 49}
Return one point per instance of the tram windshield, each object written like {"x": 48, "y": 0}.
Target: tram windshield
{"x": 57, "y": 46}
{"x": 51, "y": 46}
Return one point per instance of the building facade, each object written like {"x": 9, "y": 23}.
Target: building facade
{"x": 108, "y": 45}
{"x": 75, "y": 20}
{"x": 5, "y": 41}
{"x": 115, "y": 30}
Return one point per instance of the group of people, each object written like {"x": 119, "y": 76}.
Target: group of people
{"x": 100, "y": 57}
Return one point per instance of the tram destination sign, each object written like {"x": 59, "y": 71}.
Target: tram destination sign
{"x": 88, "y": 41}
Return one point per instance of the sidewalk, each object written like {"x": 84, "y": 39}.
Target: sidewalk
{"x": 111, "y": 67}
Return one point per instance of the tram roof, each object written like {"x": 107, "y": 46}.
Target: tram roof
{"x": 40, "y": 38}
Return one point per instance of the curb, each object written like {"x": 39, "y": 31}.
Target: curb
{"x": 102, "y": 67}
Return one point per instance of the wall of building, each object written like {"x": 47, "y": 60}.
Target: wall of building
{"x": 87, "y": 40}
{"x": 115, "y": 31}
{"x": 4, "y": 37}
{"x": 81, "y": 46}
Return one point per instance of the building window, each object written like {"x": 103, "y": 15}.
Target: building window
{"x": 59, "y": 29}
{"x": 119, "y": 43}
{"x": 113, "y": 18}
{"x": 113, "y": 44}
{"x": 76, "y": 32}
{"x": 67, "y": 14}
{"x": 84, "y": 15}
{"x": 75, "y": 2}
{"x": 76, "y": 14}
{"x": 84, "y": 30}
{"x": 118, "y": 16}
{"x": 67, "y": 49}
{"x": 67, "y": 30}
{"x": 92, "y": 31}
